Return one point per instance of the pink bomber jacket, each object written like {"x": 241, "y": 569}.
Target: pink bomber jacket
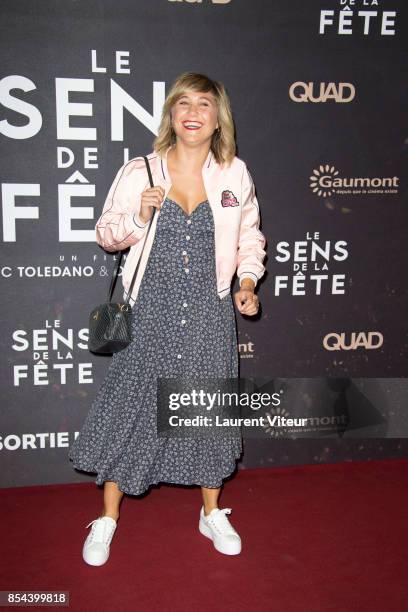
{"x": 239, "y": 244}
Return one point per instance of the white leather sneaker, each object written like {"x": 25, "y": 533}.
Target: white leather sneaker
{"x": 97, "y": 545}
{"x": 217, "y": 527}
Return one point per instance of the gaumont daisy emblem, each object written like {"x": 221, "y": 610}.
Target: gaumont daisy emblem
{"x": 321, "y": 180}
{"x": 273, "y": 418}
{"x": 228, "y": 198}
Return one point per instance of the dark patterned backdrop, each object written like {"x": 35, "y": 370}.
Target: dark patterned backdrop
{"x": 317, "y": 91}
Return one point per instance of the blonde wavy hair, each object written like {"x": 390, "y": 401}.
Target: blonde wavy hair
{"x": 223, "y": 139}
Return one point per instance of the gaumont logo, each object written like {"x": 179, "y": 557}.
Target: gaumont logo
{"x": 326, "y": 181}
{"x": 321, "y": 92}
{"x": 348, "y": 20}
{"x": 352, "y": 341}
{"x": 246, "y": 350}
{"x": 276, "y": 421}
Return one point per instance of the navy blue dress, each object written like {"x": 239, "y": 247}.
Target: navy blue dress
{"x": 180, "y": 328}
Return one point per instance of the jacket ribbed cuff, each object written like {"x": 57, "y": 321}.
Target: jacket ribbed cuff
{"x": 138, "y": 222}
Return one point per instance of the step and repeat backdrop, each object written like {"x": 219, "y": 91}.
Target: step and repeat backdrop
{"x": 317, "y": 90}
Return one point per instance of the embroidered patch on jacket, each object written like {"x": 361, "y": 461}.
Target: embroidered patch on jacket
{"x": 228, "y": 198}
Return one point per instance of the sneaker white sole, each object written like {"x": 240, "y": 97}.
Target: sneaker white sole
{"x": 233, "y": 548}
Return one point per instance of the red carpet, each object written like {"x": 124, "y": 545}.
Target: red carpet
{"x": 327, "y": 537}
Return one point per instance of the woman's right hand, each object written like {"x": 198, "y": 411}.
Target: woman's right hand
{"x": 153, "y": 196}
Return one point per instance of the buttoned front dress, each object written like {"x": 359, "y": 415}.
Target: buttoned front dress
{"x": 181, "y": 328}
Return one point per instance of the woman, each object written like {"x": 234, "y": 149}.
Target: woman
{"x": 206, "y": 228}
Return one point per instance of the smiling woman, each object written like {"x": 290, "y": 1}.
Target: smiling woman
{"x": 194, "y": 117}
{"x": 183, "y": 320}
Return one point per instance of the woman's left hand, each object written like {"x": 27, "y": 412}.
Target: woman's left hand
{"x": 246, "y": 301}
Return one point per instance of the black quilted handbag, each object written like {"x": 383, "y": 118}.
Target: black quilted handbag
{"x": 110, "y": 324}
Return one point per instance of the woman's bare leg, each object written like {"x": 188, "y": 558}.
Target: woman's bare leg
{"x": 210, "y": 499}
{"x": 112, "y": 497}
